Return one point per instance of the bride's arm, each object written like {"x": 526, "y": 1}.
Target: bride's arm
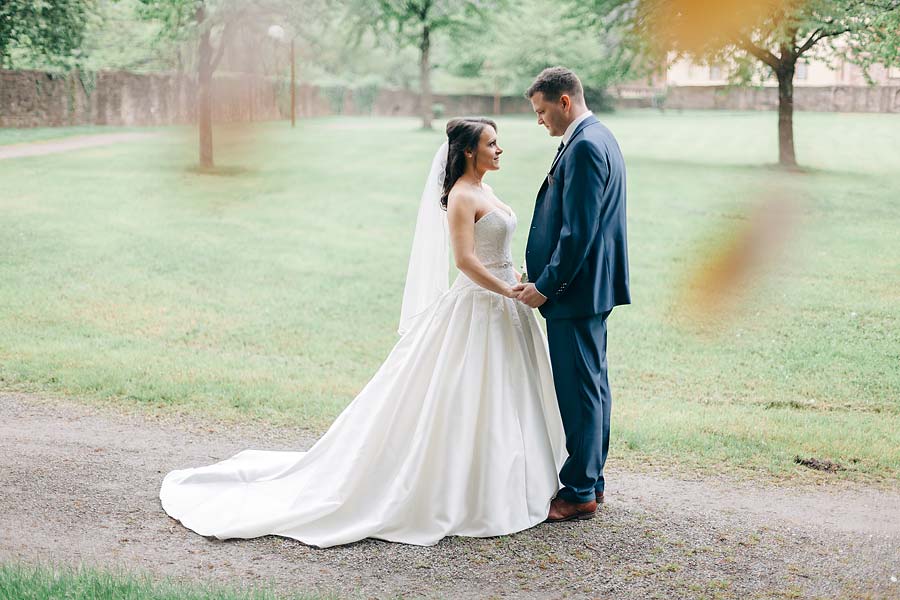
{"x": 461, "y": 219}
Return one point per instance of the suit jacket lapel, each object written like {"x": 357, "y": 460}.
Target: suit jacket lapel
{"x": 589, "y": 121}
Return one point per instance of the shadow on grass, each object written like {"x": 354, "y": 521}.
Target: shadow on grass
{"x": 798, "y": 171}
{"x": 222, "y": 171}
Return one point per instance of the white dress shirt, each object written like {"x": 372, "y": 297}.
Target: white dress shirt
{"x": 571, "y": 128}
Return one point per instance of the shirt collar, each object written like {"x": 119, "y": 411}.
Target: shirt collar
{"x": 573, "y": 125}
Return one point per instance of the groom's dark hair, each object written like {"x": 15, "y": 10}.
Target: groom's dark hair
{"x": 553, "y": 82}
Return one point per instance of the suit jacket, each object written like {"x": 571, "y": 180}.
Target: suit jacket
{"x": 577, "y": 252}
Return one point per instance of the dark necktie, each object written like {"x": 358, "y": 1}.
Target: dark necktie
{"x": 558, "y": 152}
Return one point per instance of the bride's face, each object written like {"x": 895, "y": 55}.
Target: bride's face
{"x": 552, "y": 115}
{"x": 487, "y": 155}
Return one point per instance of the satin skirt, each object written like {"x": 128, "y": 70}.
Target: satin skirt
{"x": 457, "y": 433}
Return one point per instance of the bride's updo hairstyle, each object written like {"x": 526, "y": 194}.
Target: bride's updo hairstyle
{"x": 462, "y": 134}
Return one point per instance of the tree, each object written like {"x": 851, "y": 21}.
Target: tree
{"x": 182, "y": 18}
{"x": 771, "y": 34}
{"x": 214, "y": 24}
{"x": 52, "y": 30}
{"x": 416, "y": 22}
{"x": 211, "y": 23}
{"x": 530, "y": 36}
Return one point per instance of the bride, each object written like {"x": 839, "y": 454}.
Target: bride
{"x": 457, "y": 433}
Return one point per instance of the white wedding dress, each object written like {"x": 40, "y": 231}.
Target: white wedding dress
{"x": 458, "y": 433}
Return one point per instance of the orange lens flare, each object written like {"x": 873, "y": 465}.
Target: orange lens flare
{"x": 701, "y": 25}
{"x": 711, "y": 294}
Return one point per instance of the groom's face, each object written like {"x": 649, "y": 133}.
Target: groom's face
{"x": 552, "y": 115}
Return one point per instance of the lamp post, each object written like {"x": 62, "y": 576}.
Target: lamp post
{"x": 277, "y": 32}
{"x": 293, "y": 87}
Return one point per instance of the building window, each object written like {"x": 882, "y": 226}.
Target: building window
{"x": 715, "y": 72}
{"x": 894, "y": 73}
{"x": 802, "y": 71}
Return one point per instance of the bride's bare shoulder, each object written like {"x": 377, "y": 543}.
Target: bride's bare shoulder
{"x": 461, "y": 194}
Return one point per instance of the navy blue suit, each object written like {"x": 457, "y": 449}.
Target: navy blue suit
{"x": 577, "y": 256}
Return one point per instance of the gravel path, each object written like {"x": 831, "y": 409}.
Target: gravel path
{"x": 76, "y": 142}
{"x": 79, "y": 485}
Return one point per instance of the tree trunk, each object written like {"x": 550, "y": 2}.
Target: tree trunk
{"x": 293, "y": 86}
{"x": 785, "y": 74}
{"x": 204, "y": 91}
{"x": 249, "y": 76}
{"x": 425, "y": 77}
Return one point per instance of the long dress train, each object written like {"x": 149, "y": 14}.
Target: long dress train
{"x": 457, "y": 433}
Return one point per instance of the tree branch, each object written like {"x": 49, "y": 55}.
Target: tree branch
{"x": 810, "y": 42}
{"x": 826, "y": 34}
{"x": 819, "y": 35}
{"x": 760, "y": 53}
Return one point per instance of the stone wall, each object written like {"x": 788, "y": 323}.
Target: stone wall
{"x": 402, "y": 102}
{"x": 38, "y": 99}
{"x": 885, "y": 99}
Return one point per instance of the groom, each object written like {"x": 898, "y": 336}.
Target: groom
{"x": 577, "y": 256}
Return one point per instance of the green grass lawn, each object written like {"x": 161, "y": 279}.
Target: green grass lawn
{"x": 25, "y": 582}
{"x": 43, "y": 134}
{"x": 271, "y": 290}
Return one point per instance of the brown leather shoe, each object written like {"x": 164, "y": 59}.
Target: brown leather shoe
{"x": 600, "y": 499}
{"x": 563, "y": 510}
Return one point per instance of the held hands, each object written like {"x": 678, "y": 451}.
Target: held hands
{"x": 528, "y": 295}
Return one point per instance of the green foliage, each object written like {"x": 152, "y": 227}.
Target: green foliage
{"x": 753, "y": 39}
{"x": 749, "y": 36}
{"x": 422, "y": 24}
{"x": 116, "y": 37}
{"x": 120, "y": 40}
{"x": 338, "y": 55}
{"x": 335, "y": 95}
{"x": 88, "y": 81}
{"x": 176, "y": 17}
{"x": 187, "y": 20}
{"x": 364, "y": 95}
{"x": 404, "y": 20}
{"x": 528, "y": 37}
{"x": 419, "y": 23}
{"x": 52, "y": 30}
{"x": 599, "y": 100}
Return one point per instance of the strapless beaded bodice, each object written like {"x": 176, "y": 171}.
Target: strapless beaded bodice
{"x": 493, "y": 236}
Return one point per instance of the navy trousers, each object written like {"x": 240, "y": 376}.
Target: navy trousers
{"x": 578, "y": 356}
